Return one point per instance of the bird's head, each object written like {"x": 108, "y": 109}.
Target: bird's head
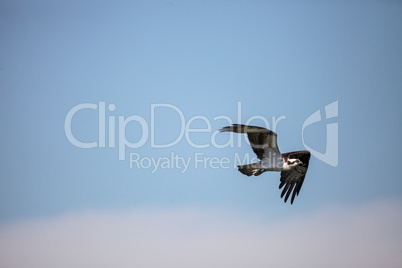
{"x": 294, "y": 162}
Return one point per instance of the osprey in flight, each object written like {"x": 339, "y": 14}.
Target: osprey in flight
{"x": 293, "y": 166}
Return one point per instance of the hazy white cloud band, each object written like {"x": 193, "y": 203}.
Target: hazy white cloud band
{"x": 365, "y": 236}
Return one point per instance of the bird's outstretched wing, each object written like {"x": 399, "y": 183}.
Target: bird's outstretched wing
{"x": 260, "y": 138}
{"x": 293, "y": 179}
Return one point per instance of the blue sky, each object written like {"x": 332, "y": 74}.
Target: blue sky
{"x": 206, "y": 58}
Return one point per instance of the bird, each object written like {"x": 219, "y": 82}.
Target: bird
{"x": 293, "y": 165}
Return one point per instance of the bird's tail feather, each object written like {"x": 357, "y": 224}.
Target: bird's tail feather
{"x": 251, "y": 169}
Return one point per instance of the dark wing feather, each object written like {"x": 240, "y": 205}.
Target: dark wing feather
{"x": 293, "y": 179}
{"x": 260, "y": 138}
